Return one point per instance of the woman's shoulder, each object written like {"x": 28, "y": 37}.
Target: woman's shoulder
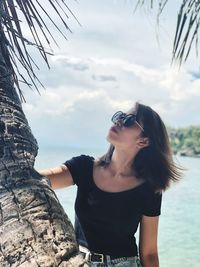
{"x": 79, "y": 162}
{"x": 149, "y": 189}
{"x": 80, "y": 168}
{"x": 83, "y": 157}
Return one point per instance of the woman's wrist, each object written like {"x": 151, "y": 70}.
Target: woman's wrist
{"x": 150, "y": 260}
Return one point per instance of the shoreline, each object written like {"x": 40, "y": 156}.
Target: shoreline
{"x": 187, "y": 155}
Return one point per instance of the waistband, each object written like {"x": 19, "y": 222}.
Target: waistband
{"x": 103, "y": 258}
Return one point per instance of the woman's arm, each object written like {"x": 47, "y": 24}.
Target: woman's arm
{"x": 59, "y": 176}
{"x": 148, "y": 241}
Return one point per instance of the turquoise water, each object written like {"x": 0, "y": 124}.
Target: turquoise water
{"x": 179, "y": 238}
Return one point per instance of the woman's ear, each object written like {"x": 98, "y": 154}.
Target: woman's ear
{"x": 143, "y": 142}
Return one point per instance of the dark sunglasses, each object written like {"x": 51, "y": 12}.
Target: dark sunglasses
{"x": 127, "y": 120}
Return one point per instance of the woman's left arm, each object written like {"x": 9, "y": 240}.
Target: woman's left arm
{"x": 148, "y": 241}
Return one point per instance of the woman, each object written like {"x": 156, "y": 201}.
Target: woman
{"x": 121, "y": 190}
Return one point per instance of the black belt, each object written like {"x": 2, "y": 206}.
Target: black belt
{"x": 98, "y": 257}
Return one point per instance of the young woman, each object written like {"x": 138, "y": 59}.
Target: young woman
{"x": 121, "y": 190}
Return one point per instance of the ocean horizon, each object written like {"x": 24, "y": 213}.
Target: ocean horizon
{"x": 178, "y": 232}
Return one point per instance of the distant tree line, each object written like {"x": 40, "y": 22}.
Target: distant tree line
{"x": 185, "y": 141}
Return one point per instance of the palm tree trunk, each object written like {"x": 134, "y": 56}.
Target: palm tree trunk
{"x": 34, "y": 229}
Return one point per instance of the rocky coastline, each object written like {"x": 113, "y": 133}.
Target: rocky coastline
{"x": 185, "y": 141}
{"x": 188, "y": 153}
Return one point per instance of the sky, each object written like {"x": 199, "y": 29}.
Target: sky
{"x": 113, "y": 59}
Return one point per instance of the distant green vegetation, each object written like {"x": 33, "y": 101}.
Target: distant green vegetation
{"x": 185, "y": 141}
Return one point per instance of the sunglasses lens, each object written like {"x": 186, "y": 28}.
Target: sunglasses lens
{"x": 117, "y": 116}
{"x": 129, "y": 121}
{"x": 125, "y": 120}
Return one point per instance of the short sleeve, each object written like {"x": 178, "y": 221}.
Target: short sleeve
{"x": 152, "y": 204}
{"x": 79, "y": 166}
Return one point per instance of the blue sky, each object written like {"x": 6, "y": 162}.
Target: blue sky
{"x": 112, "y": 60}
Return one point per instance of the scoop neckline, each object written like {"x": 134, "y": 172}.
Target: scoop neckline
{"x": 108, "y": 192}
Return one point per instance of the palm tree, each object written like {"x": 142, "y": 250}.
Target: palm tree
{"x": 34, "y": 229}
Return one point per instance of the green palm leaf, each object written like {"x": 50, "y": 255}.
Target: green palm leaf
{"x": 12, "y": 35}
{"x": 187, "y": 27}
{"x": 35, "y": 16}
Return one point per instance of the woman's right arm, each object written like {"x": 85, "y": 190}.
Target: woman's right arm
{"x": 59, "y": 176}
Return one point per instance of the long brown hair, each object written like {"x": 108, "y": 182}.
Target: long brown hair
{"x": 153, "y": 163}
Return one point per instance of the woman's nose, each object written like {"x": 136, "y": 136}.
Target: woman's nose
{"x": 118, "y": 123}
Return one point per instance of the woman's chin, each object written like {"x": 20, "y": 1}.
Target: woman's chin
{"x": 110, "y": 139}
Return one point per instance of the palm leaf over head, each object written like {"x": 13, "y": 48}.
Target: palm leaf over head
{"x": 34, "y": 15}
{"x": 186, "y": 33}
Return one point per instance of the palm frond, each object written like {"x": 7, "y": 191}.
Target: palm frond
{"x": 187, "y": 27}
{"x": 161, "y": 4}
{"x": 186, "y": 30}
{"x": 14, "y": 14}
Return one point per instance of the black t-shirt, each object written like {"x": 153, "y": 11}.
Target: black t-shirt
{"x": 106, "y": 222}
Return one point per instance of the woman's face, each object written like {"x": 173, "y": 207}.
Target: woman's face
{"x": 124, "y": 137}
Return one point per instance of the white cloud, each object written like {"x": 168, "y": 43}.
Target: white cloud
{"x": 109, "y": 63}
{"x": 163, "y": 88}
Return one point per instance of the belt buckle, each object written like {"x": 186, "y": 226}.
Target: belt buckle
{"x": 97, "y": 254}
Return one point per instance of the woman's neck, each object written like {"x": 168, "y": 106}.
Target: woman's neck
{"x": 122, "y": 163}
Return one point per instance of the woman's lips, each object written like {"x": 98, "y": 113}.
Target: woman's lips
{"x": 114, "y": 129}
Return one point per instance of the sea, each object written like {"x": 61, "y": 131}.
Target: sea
{"x": 179, "y": 222}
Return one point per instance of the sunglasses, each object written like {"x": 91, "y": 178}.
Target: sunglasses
{"x": 127, "y": 120}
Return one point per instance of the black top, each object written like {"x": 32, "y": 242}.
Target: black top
{"x": 106, "y": 222}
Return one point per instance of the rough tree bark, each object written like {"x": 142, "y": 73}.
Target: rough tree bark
{"x": 34, "y": 229}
